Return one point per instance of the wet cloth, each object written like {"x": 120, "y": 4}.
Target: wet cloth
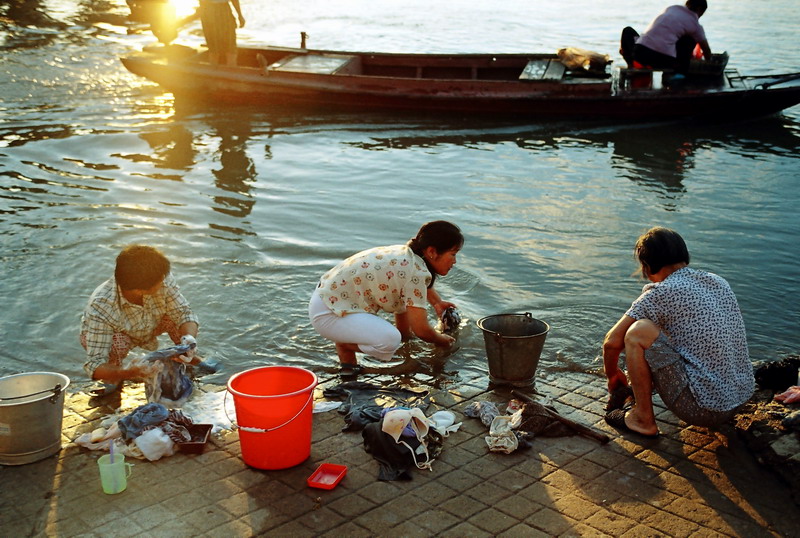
{"x": 150, "y": 431}
{"x": 509, "y": 432}
{"x": 698, "y": 313}
{"x": 501, "y": 436}
{"x": 486, "y": 411}
{"x": 537, "y": 419}
{"x": 365, "y": 402}
{"x": 170, "y": 383}
{"x": 150, "y": 414}
{"x": 444, "y": 422}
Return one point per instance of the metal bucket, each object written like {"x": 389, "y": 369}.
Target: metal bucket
{"x": 31, "y": 409}
{"x": 513, "y": 346}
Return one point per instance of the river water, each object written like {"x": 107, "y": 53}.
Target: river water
{"x": 253, "y": 205}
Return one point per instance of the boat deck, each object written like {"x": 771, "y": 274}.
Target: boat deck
{"x": 444, "y": 67}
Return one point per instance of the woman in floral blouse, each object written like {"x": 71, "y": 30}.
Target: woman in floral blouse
{"x": 397, "y": 280}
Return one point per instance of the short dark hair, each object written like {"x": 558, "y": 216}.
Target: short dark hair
{"x": 659, "y": 247}
{"x": 439, "y": 234}
{"x": 140, "y": 267}
{"x": 698, "y": 6}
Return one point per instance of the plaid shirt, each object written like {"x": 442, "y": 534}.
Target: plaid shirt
{"x": 109, "y": 313}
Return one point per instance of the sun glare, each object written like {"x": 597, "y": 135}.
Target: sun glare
{"x": 184, "y": 8}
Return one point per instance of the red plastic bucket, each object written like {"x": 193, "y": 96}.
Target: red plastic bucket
{"x": 274, "y": 409}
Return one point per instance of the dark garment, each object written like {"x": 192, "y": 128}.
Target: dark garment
{"x": 778, "y": 376}
{"x": 395, "y": 459}
{"x": 366, "y": 402}
{"x": 626, "y": 44}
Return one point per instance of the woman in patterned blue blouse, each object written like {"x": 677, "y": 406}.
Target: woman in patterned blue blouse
{"x": 684, "y": 337}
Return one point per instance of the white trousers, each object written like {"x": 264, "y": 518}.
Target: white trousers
{"x": 374, "y": 335}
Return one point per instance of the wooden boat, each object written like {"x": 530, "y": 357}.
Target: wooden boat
{"x": 531, "y": 86}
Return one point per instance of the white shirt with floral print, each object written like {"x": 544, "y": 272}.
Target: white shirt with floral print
{"x": 388, "y": 279}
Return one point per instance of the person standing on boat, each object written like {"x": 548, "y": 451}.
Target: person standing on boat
{"x": 669, "y": 41}
{"x": 683, "y": 336}
{"x": 219, "y": 29}
{"x": 130, "y": 310}
{"x": 396, "y": 280}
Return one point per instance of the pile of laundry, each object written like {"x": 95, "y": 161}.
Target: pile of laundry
{"x": 393, "y": 424}
{"x": 516, "y": 427}
{"x": 151, "y": 431}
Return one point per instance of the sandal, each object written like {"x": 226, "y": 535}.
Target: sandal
{"x": 104, "y": 389}
{"x": 616, "y": 418}
{"x": 350, "y": 369}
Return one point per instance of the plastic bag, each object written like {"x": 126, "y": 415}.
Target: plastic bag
{"x": 576, "y": 59}
{"x": 155, "y": 444}
{"x": 169, "y": 384}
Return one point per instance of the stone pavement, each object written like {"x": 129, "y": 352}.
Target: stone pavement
{"x": 688, "y": 482}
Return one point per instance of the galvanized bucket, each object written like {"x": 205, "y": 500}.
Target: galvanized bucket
{"x": 31, "y": 409}
{"x": 513, "y": 346}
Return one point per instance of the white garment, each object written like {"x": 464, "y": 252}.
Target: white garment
{"x": 444, "y": 422}
{"x": 374, "y": 335}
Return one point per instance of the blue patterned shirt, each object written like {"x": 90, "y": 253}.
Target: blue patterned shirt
{"x": 698, "y": 313}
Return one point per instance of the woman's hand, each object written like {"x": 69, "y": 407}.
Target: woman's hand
{"x": 437, "y": 303}
{"x": 445, "y": 340}
{"x": 418, "y": 321}
{"x": 441, "y": 306}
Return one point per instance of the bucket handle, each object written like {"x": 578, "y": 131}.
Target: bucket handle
{"x": 262, "y": 430}
{"x": 55, "y": 390}
{"x": 499, "y": 337}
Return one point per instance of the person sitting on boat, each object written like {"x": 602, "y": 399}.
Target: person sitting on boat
{"x": 669, "y": 41}
{"x": 683, "y": 336}
{"x": 219, "y": 29}
{"x": 396, "y": 280}
{"x": 130, "y": 310}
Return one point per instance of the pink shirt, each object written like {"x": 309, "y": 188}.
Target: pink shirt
{"x": 674, "y": 23}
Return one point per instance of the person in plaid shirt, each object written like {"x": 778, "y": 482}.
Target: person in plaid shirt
{"x": 130, "y": 310}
